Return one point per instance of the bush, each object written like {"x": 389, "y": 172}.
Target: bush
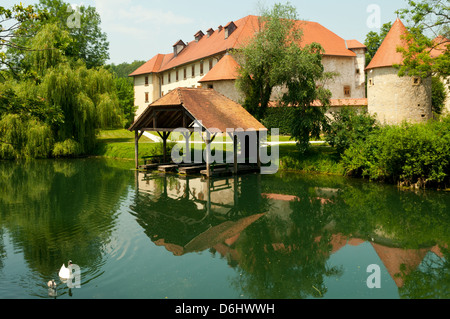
{"x": 409, "y": 154}
{"x": 348, "y": 128}
{"x": 279, "y": 117}
{"x": 438, "y": 95}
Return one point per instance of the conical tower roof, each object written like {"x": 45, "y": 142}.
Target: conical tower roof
{"x": 387, "y": 54}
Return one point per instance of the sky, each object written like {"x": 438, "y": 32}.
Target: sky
{"x": 140, "y": 29}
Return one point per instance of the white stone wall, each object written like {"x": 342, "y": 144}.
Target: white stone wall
{"x": 396, "y": 99}
{"x": 226, "y": 88}
{"x": 346, "y": 69}
{"x": 140, "y": 89}
{"x": 189, "y": 81}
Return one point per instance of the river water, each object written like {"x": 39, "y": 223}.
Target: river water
{"x": 149, "y": 236}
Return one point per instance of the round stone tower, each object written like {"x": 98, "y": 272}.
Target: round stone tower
{"x": 396, "y": 99}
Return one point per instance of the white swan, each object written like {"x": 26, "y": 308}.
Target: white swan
{"x": 65, "y": 273}
{"x": 51, "y": 284}
{"x": 52, "y": 292}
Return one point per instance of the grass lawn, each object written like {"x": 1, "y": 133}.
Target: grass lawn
{"x": 120, "y": 144}
{"x": 318, "y": 159}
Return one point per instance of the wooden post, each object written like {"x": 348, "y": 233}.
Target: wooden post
{"x": 208, "y": 154}
{"x": 165, "y": 136}
{"x": 187, "y": 156}
{"x": 136, "y": 148}
{"x": 235, "y": 153}
{"x": 258, "y": 145}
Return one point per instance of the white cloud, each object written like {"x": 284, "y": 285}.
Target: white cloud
{"x": 123, "y": 12}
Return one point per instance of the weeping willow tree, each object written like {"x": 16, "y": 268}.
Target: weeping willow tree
{"x": 88, "y": 100}
{"x": 72, "y": 103}
{"x": 24, "y": 137}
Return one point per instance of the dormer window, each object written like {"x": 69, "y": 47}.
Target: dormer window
{"x": 198, "y": 35}
{"x": 210, "y": 32}
{"x": 178, "y": 47}
{"x": 229, "y": 29}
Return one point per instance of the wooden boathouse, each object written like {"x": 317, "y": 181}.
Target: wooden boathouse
{"x": 198, "y": 110}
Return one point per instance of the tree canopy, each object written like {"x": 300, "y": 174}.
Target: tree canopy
{"x": 57, "y": 97}
{"x": 275, "y": 66}
{"x": 429, "y": 31}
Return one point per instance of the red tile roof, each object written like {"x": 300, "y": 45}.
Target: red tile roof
{"x": 335, "y": 102}
{"x": 387, "y": 54}
{"x": 225, "y": 69}
{"x": 355, "y": 44}
{"x": 245, "y": 30}
{"x": 152, "y": 66}
{"x": 441, "y": 45}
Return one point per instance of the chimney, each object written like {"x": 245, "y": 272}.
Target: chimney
{"x": 178, "y": 47}
{"x": 229, "y": 29}
{"x": 210, "y": 32}
{"x": 198, "y": 35}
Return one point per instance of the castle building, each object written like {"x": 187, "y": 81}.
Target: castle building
{"x": 392, "y": 98}
{"x": 205, "y": 62}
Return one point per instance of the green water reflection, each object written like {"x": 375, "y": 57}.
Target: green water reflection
{"x": 285, "y": 236}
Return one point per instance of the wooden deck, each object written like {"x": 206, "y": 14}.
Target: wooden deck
{"x": 217, "y": 170}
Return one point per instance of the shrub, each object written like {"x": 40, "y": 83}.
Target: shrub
{"x": 279, "y": 117}
{"x": 409, "y": 153}
{"x": 349, "y": 127}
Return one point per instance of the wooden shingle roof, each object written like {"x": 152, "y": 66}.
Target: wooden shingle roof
{"x": 213, "y": 110}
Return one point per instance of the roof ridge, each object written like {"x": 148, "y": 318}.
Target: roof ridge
{"x": 180, "y": 96}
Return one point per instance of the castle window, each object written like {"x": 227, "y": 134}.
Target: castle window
{"x": 210, "y": 64}
{"x": 416, "y": 80}
{"x": 347, "y": 91}
{"x": 185, "y": 73}
{"x": 193, "y": 70}
{"x": 146, "y": 81}
{"x": 210, "y": 86}
{"x": 358, "y": 71}
{"x": 168, "y": 77}
{"x": 176, "y": 76}
{"x": 146, "y": 97}
{"x": 371, "y": 82}
{"x": 201, "y": 68}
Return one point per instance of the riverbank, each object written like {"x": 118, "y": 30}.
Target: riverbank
{"x": 321, "y": 158}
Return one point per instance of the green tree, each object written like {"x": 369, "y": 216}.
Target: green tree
{"x": 430, "y": 29}
{"x": 88, "y": 43}
{"x": 274, "y": 59}
{"x": 125, "y": 94}
{"x": 438, "y": 95}
{"x": 122, "y": 70}
{"x": 15, "y": 24}
{"x": 374, "y": 40}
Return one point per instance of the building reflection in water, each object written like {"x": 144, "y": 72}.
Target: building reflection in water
{"x": 266, "y": 235}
